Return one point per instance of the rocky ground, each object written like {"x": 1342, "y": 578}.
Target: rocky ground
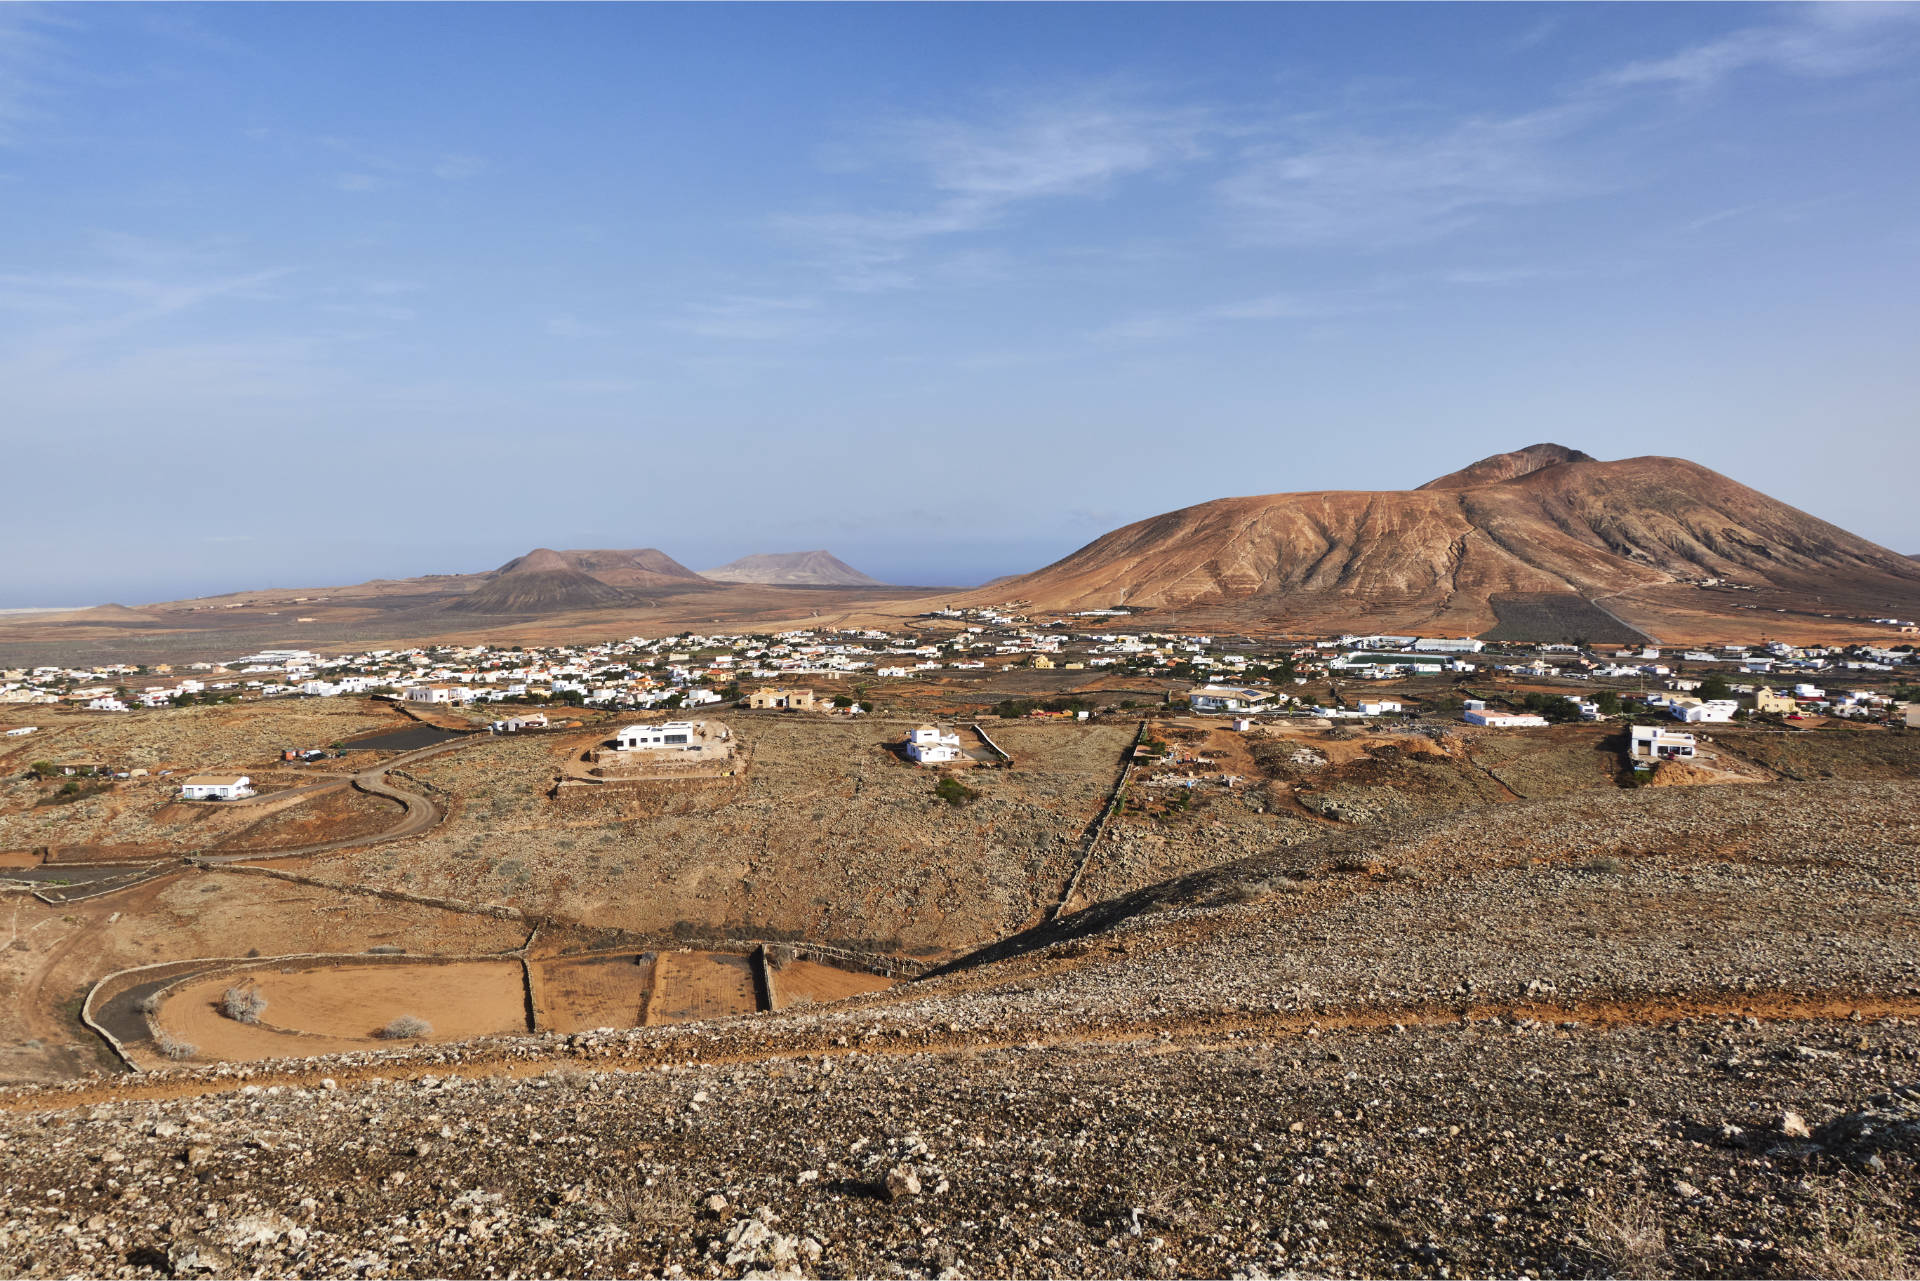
{"x": 1662, "y": 1031}
{"x": 1708, "y": 1147}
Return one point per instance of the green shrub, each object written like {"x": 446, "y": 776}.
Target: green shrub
{"x": 953, "y": 791}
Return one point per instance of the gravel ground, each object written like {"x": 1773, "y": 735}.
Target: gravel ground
{"x": 1697, "y": 1148}
{"x": 1659, "y": 1032}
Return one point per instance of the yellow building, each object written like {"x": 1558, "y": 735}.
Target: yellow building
{"x": 1770, "y": 700}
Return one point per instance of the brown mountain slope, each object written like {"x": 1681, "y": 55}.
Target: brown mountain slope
{"x": 1540, "y": 520}
{"x": 541, "y": 582}
{"x": 815, "y": 568}
{"x": 642, "y": 567}
{"x": 1508, "y": 466}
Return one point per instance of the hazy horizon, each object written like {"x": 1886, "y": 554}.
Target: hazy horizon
{"x": 299, "y": 296}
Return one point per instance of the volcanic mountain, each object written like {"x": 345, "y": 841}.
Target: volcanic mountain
{"x": 541, "y": 582}
{"x": 792, "y": 569}
{"x": 1643, "y": 538}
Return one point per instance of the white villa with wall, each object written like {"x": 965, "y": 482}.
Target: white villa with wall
{"x": 1652, "y": 743}
{"x": 674, "y": 736}
{"x": 1224, "y": 698}
{"x": 930, "y": 745}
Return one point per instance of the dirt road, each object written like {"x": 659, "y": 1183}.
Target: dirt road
{"x": 421, "y": 813}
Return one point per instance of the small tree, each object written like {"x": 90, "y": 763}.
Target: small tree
{"x": 1714, "y": 688}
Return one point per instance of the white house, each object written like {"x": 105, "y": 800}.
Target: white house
{"x": 216, "y": 787}
{"x": 107, "y": 704}
{"x": 1501, "y": 720}
{"x": 929, "y": 745}
{"x": 1379, "y": 706}
{"x": 1436, "y": 645}
{"x": 1224, "y": 698}
{"x": 436, "y": 694}
{"x": 22, "y": 731}
{"x": 674, "y": 736}
{"x": 1713, "y": 710}
{"x": 1652, "y": 743}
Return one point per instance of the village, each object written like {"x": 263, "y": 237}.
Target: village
{"x": 1228, "y": 675}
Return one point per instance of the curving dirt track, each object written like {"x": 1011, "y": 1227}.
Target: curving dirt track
{"x": 646, "y": 1051}
{"x": 420, "y": 812}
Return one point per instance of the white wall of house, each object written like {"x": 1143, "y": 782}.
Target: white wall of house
{"x": 674, "y": 736}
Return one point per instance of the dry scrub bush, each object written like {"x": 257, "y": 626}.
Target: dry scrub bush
{"x": 408, "y": 1027}
{"x": 1860, "y": 1248}
{"x": 1629, "y": 1238}
{"x": 1256, "y": 889}
{"x": 243, "y": 1003}
{"x": 148, "y": 1004}
{"x": 1606, "y": 863}
{"x": 173, "y": 1048}
{"x": 666, "y": 1202}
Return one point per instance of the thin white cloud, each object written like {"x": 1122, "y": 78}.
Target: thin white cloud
{"x": 1383, "y": 187}
{"x": 31, "y": 61}
{"x": 753, "y": 317}
{"x": 356, "y": 182}
{"x": 1272, "y": 307}
{"x": 459, "y": 168}
{"x": 1819, "y": 41}
{"x": 974, "y": 175}
{"x": 565, "y": 324}
{"x": 1377, "y": 190}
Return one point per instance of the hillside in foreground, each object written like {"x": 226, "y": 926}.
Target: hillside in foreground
{"x": 1561, "y": 1037}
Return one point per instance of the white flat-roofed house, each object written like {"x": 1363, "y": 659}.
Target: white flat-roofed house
{"x": 1713, "y": 710}
{"x": 436, "y": 694}
{"x": 1653, "y": 743}
{"x": 674, "y": 736}
{"x": 1440, "y": 645}
{"x": 1379, "y": 706}
{"x": 1226, "y": 698}
{"x": 931, "y": 745}
{"x": 216, "y": 787}
{"x": 21, "y": 731}
{"x": 1502, "y": 720}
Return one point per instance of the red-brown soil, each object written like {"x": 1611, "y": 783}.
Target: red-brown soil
{"x": 577, "y": 993}
{"x": 700, "y": 985}
{"x": 809, "y": 982}
{"x": 339, "y": 1007}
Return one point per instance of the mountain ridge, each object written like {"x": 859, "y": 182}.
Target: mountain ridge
{"x": 815, "y": 568}
{"x": 1541, "y": 520}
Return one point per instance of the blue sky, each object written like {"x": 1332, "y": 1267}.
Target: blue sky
{"x": 305, "y": 294}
